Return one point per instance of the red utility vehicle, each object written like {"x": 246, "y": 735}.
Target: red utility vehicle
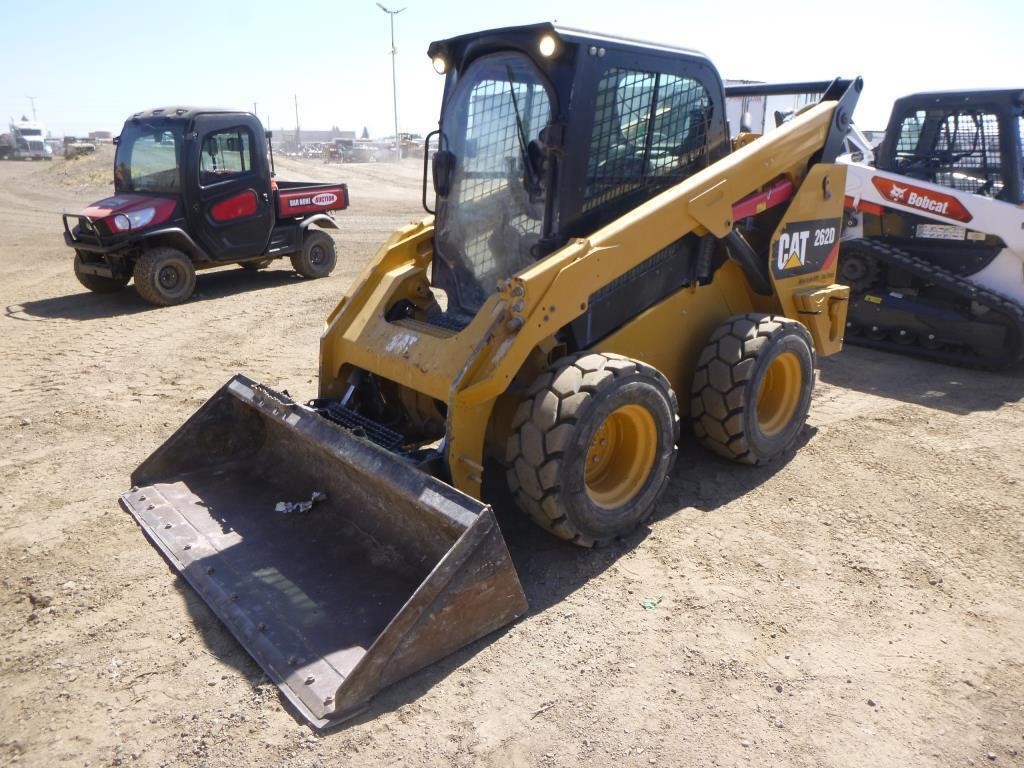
{"x": 194, "y": 188}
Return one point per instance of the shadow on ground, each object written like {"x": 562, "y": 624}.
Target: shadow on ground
{"x": 549, "y": 569}
{"x": 910, "y": 380}
{"x": 93, "y": 306}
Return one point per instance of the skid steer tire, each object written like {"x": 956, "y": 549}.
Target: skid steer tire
{"x": 98, "y": 283}
{"x": 317, "y": 257}
{"x": 592, "y": 446}
{"x": 164, "y": 276}
{"x": 752, "y": 387}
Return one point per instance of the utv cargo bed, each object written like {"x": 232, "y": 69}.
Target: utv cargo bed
{"x": 388, "y": 572}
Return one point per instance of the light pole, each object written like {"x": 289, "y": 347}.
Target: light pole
{"x": 394, "y": 80}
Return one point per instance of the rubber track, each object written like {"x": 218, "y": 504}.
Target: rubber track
{"x": 996, "y": 302}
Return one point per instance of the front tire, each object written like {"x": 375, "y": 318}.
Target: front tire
{"x": 165, "y": 276}
{"x": 752, "y": 387}
{"x": 98, "y": 283}
{"x": 592, "y": 447}
{"x": 317, "y": 257}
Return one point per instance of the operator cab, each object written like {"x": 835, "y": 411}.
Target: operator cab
{"x": 508, "y": 191}
{"x": 971, "y": 141}
{"x": 213, "y": 163}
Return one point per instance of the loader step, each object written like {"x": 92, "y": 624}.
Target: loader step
{"x": 359, "y": 425}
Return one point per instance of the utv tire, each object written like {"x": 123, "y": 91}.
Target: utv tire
{"x": 255, "y": 266}
{"x": 752, "y": 387}
{"x": 592, "y": 447}
{"x": 317, "y": 257}
{"x": 164, "y": 276}
{"x": 98, "y": 283}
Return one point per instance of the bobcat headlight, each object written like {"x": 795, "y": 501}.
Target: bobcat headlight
{"x": 440, "y": 64}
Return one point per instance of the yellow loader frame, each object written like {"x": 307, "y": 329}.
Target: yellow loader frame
{"x": 471, "y": 371}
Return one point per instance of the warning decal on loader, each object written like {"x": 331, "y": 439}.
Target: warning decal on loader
{"x": 804, "y": 247}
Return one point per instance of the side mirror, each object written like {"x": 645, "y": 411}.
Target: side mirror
{"x": 536, "y": 166}
{"x": 783, "y": 116}
{"x": 443, "y": 167}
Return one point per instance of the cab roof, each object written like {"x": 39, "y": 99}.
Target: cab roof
{"x": 1010, "y": 96}
{"x": 185, "y": 113}
{"x": 458, "y": 45}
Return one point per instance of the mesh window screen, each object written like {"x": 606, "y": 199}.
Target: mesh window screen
{"x": 492, "y": 171}
{"x": 910, "y": 133}
{"x": 493, "y": 215}
{"x": 650, "y": 131}
{"x": 967, "y": 151}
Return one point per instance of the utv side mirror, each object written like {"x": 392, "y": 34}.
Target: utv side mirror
{"x": 443, "y": 167}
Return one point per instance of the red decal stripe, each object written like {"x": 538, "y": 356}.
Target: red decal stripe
{"x": 779, "y": 192}
{"x": 235, "y": 207}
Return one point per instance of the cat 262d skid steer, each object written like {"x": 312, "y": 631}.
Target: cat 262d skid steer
{"x": 601, "y": 263}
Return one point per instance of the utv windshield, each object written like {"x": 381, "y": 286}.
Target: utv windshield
{"x": 148, "y": 157}
{"x": 492, "y": 216}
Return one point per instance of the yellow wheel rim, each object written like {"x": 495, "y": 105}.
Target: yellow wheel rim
{"x": 621, "y": 456}
{"x": 780, "y": 394}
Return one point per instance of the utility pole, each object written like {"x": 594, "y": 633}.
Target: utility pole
{"x": 298, "y": 136}
{"x": 32, "y": 99}
{"x": 394, "y": 80}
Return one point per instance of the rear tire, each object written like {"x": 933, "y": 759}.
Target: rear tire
{"x": 752, "y": 387}
{"x": 165, "y": 276}
{"x": 98, "y": 283}
{"x": 592, "y": 447}
{"x": 317, "y": 257}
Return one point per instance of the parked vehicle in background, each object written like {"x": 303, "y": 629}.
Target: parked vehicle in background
{"x": 193, "y": 189}
{"x": 25, "y": 140}
{"x": 74, "y": 147}
{"x": 933, "y": 242}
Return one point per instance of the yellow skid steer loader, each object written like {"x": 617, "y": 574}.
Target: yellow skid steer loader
{"x": 601, "y": 262}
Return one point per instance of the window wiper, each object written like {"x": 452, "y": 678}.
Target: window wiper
{"x": 530, "y": 180}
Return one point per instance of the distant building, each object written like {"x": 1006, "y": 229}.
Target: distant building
{"x": 311, "y": 137}
{"x": 100, "y": 135}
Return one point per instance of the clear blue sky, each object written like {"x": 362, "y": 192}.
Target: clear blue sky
{"x": 90, "y": 64}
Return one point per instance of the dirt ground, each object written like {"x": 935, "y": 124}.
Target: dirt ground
{"x": 860, "y": 604}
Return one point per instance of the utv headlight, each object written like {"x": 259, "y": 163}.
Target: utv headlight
{"x": 440, "y": 64}
{"x": 133, "y": 219}
{"x": 547, "y": 46}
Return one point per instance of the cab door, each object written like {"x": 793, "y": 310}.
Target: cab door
{"x": 231, "y": 211}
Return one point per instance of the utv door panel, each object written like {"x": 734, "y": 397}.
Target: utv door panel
{"x": 232, "y": 213}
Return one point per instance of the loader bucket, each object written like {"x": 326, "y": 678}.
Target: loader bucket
{"x": 390, "y": 571}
